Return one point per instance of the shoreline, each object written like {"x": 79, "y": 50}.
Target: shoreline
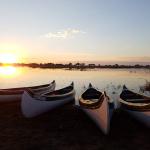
{"x": 68, "y": 128}
{"x": 77, "y": 66}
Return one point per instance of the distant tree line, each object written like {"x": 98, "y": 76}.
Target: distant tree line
{"x": 81, "y": 66}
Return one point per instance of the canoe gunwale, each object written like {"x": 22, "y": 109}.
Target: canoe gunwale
{"x": 93, "y": 105}
{"x": 59, "y": 96}
{"x": 55, "y": 97}
{"x": 134, "y": 106}
{"x": 22, "y": 88}
{"x": 19, "y": 91}
{"x": 44, "y": 97}
{"x": 125, "y": 89}
{"x": 14, "y": 92}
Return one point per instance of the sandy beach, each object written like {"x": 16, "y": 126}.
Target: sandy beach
{"x": 68, "y": 128}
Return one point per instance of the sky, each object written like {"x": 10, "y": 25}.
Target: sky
{"x": 76, "y": 30}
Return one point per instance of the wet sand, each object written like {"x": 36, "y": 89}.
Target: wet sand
{"x": 68, "y": 128}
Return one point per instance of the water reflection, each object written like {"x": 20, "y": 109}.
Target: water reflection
{"x": 110, "y": 80}
{"x": 7, "y": 71}
{"x": 102, "y": 78}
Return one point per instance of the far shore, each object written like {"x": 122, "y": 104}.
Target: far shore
{"x": 80, "y": 66}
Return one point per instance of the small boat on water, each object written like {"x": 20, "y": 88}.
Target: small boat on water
{"x": 136, "y": 104}
{"x": 14, "y": 94}
{"x": 96, "y": 105}
{"x": 33, "y": 105}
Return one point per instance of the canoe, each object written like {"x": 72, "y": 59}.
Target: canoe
{"x": 146, "y": 93}
{"x": 95, "y": 104}
{"x": 111, "y": 107}
{"x": 14, "y": 94}
{"x": 33, "y": 105}
{"x": 136, "y": 104}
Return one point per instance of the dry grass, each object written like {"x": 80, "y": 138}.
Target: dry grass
{"x": 67, "y": 128}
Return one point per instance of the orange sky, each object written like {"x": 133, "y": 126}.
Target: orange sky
{"x": 79, "y": 30}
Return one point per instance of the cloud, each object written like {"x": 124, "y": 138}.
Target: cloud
{"x": 63, "y": 34}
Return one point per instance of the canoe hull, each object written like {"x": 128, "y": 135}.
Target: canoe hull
{"x": 32, "y": 107}
{"x": 147, "y": 93}
{"x": 136, "y": 104}
{"x": 10, "y": 98}
{"x": 143, "y": 117}
{"x": 100, "y": 116}
{"x": 111, "y": 111}
{"x": 10, "y": 95}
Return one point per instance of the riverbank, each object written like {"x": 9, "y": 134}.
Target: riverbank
{"x": 68, "y": 128}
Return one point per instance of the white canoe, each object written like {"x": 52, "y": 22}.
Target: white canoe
{"x": 98, "y": 110}
{"x": 33, "y": 105}
{"x": 147, "y": 93}
{"x": 136, "y": 104}
{"x": 14, "y": 94}
{"x": 143, "y": 117}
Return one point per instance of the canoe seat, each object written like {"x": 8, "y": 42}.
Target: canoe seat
{"x": 91, "y": 103}
{"x": 139, "y": 100}
{"x": 59, "y": 92}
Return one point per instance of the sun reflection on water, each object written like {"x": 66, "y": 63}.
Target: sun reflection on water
{"x": 7, "y": 71}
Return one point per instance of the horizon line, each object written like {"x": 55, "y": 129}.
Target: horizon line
{"x": 82, "y": 62}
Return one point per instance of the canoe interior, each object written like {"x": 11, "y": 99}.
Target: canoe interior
{"x": 19, "y": 90}
{"x": 60, "y": 91}
{"x": 91, "y": 93}
{"x": 91, "y": 99}
{"x": 22, "y": 88}
{"x": 134, "y": 101}
{"x": 130, "y": 96}
{"x": 61, "y": 94}
{"x": 66, "y": 94}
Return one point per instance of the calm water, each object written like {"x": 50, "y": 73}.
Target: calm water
{"x": 103, "y": 79}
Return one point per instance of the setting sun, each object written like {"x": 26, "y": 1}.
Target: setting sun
{"x": 8, "y": 58}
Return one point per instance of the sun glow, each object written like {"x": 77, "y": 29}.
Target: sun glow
{"x": 8, "y": 58}
{"x": 7, "y": 70}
